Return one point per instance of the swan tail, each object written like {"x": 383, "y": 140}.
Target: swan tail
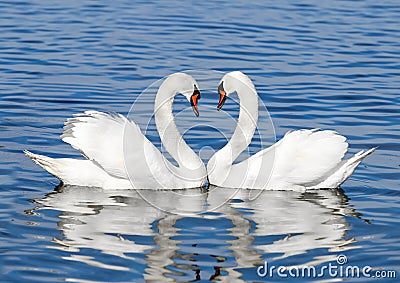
{"x": 70, "y": 171}
{"x": 352, "y": 163}
{"x": 345, "y": 169}
{"x": 51, "y": 165}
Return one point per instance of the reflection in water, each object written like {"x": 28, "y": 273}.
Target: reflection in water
{"x": 239, "y": 234}
{"x": 291, "y": 223}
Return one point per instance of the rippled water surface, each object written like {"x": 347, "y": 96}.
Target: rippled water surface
{"x": 316, "y": 64}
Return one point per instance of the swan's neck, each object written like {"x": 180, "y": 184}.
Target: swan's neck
{"x": 246, "y": 125}
{"x": 169, "y": 134}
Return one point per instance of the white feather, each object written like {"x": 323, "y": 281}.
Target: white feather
{"x": 301, "y": 160}
{"x": 119, "y": 156}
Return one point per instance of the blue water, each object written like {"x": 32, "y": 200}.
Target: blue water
{"x": 316, "y": 64}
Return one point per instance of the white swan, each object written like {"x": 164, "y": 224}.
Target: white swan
{"x": 119, "y": 156}
{"x": 301, "y": 160}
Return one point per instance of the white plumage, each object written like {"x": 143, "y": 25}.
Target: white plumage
{"x": 119, "y": 156}
{"x": 302, "y": 159}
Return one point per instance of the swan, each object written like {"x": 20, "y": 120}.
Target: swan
{"x": 119, "y": 156}
{"x": 302, "y": 160}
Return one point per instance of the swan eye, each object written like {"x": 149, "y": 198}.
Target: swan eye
{"x": 221, "y": 88}
{"x": 196, "y": 91}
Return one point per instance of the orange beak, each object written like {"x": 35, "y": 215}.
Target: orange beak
{"x": 194, "y": 100}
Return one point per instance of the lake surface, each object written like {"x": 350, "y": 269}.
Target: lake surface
{"x": 332, "y": 65}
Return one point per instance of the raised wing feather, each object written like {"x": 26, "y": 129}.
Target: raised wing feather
{"x": 302, "y": 157}
{"x": 107, "y": 139}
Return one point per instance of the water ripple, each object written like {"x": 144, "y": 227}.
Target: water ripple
{"x": 331, "y": 65}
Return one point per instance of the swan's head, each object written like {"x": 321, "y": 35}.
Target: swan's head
{"x": 187, "y": 86}
{"x": 230, "y": 83}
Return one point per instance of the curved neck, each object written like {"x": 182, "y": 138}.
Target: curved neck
{"x": 246, "y": 125}
{"x": 166, "y": 127}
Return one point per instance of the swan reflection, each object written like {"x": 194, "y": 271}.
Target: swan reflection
{"x": 274, "y": 226}
{"x": 289, "y": 223}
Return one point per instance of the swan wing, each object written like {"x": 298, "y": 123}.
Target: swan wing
{"x": 100, "y": 137}
{"x": 302, "y": 157}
